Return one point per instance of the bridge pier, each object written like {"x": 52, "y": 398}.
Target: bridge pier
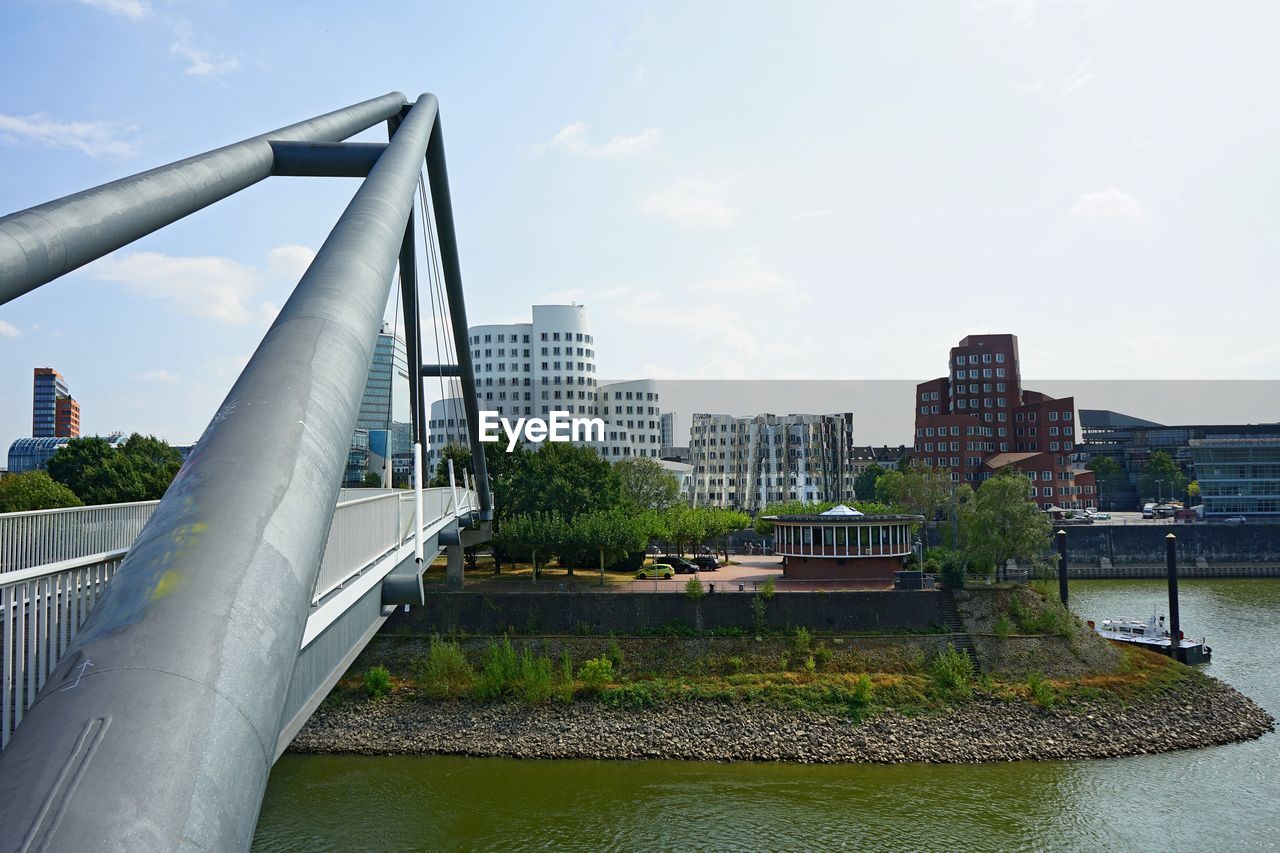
{"x": 453, "y": 569}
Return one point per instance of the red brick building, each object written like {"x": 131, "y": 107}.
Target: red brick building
{"x": 979, "y": 418}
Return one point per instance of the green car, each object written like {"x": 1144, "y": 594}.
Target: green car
{"x": 657, "y": 570}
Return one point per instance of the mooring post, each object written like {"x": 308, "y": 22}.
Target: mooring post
{"x": 1062, "y": 566}
{"x": 1175, "y": 626}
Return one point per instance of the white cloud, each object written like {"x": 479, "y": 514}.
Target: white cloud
{"x": 572, "y": 138}
{"x": 202, "y": 63}
{"x": 128, "y": 8}
{"x": 95, "y": 138}
{"x": 161, "y": 375}
{"x": 8, "y": 330}
{"x": 205, "y": 286}
{"x": 696, "y": 204}
{"x": 1109, "y": 205}
{"x": 1080, "y": 77}
{"x": 748, "y": 275}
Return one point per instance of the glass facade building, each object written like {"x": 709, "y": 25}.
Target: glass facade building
{"x": 33, "y": 454}
{"x": 385, "y": 417}
{"x": 51, "y": 398}
{"x": 1238, "y": 474}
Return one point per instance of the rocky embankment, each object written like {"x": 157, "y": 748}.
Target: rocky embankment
{"x": 983, "y": 730}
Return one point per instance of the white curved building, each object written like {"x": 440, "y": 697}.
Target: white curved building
{"x": 549, "y": 365}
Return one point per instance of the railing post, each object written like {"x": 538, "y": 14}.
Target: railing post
{"x": 417, "y": 501}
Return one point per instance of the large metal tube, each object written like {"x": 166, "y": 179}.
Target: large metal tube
{"x": 158, "y": 728}
{"x": 41, "y": 243}
{"x": 438, "y": 175}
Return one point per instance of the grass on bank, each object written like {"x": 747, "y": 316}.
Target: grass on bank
{"x": 504, "y": 672}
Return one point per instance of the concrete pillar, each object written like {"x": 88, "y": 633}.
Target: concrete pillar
{"x": 453, "y": 569}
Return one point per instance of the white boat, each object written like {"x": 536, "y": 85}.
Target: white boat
{"x": 1153, "y": 635}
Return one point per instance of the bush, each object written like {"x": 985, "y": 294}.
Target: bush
{"x": 768, "y": 588}
{"x": 810, "y": 666}
{"x": 377, "y": 681}
{"x": 615, "y": 655}
{"x": 801, "y": 642}
{"x": 1041, "y": 691}
{"x": 508, "y": 674}
{"x": 596, "y": 673}
{"x": 446, "y": 673}
{"x": 953, "y": 568}
{"x": 952, "y": 673}
{"x": 862, "y": 693}
{"x": 734, "y": 664}
{"x": 693, "y": 589}
{"x": 1003, "y": 627}
{"x": 822, "y": 654}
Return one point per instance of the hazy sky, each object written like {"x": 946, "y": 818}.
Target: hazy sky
{"x": 818, "y": 190}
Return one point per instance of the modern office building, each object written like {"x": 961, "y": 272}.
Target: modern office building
{"x": 384, "y": 426}
{"x": 549, "y": 365}
{"x": 54, "y": 413}
{"x": 1239, "y": 474}
{"x": 1131, "y": 442}
{"x": 667, "y": 427}
{"x": 748, "y": 463}
{"x": 979, "y": 418}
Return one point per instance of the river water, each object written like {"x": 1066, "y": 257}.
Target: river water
{"x": 1222, "y": 799}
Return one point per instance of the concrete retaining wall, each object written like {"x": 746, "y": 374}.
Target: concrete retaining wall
{"x": 640, "y": 612}
{"x": 1218, "y": 544}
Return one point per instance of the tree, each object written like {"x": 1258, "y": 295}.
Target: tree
{"x": 372, "y": 479}
{"x": 1000, "y": 524}
{"x": 718, "y": 523}
{"x": 1109, "y": 476}
{"x": 34, "y": 490}
{"x": 1193, "y": 492}
{"x": 536, "y": 533}
{"x": 564, "y": 477}
{"x": 916, "y": 490}
{"x": 644, "y": 484}
{"x": 611, "y": 534}
{"x": 1161, "y": 478}
{"x": 865, "y": 485}
{"x": 140, "y": 470}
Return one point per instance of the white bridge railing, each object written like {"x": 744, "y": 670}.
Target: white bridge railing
{"x": 54, "y": 565}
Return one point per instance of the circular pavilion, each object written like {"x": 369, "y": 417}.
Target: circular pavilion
{"x": 843, "y": 544}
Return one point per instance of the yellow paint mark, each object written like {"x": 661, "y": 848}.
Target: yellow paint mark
{"x": 168, "y": 583}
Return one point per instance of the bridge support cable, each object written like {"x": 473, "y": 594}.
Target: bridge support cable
{"x": 162, "y": 718}
{"x": 41, "y": 243}
{"x": 442, "y": 207}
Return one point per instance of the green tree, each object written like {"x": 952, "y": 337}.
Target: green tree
{"x": 916, "y": 490}
{"x": 34, "y": 490}
{"x": 372, "y": 480}
{"x": 1000, "y": 523}
{"x": 567, "y": 478}
{"x": 140, "y": 470}
{"x": 865, "y": 484}
{"x": 610, "y": 534}
{"x": 1193, "y": 492}
{"x": 1161, "y": 478}
{"x": 644, "y": 484}
{"x": 534, "y": 534}
{"x": 1110, "y": 478}
{"x": 719, "y": 523}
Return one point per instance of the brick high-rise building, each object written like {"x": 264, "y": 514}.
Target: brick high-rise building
{"x": 979, "y": 418}
{"x": 54, "y": 413}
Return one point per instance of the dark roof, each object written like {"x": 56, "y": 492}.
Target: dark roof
{"x": 1107, "y": 419}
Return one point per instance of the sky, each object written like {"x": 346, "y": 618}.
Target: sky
{"x": 735, "y": 190}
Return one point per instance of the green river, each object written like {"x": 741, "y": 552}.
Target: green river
{"x": 1220, "y": 799}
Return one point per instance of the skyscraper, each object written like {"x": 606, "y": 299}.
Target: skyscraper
{"x": 54, "y": 414}
{"x": 384, "y": 425}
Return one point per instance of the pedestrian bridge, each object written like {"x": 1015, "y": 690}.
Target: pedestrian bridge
{"x": 56, "y": 564}
{"x": 159, "y": 657}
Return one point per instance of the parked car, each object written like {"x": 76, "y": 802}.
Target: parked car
{"x": 1234, "y": 519}
{"x": 657, "y": 570}
{"x": 1102, "y": 516}
{"x": 680, "y": 564}
{"x": 706, "y": 562}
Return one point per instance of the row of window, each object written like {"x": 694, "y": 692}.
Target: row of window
{"x": 515, "y": 337}
{"x": 986, "y": 358}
